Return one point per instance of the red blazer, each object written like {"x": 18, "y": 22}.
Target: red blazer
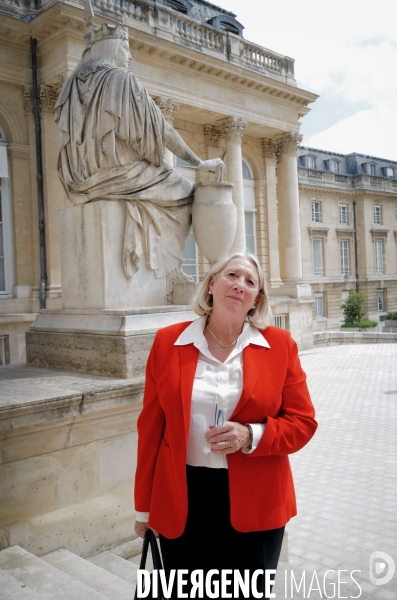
{"x": 274, "y": 392}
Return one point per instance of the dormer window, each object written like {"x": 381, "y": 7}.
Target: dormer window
{"x": 333, "y": 165}
{"x": 388, "y": 172}
{"x": 227, "y": 24}
{"x": 309, "y": 161}
{"x": 182, "y": 6}
{"x": 369, "y": 168}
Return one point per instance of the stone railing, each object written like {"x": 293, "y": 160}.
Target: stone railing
{"x": 362, "y": 181}
{"x": 199, "y": 34}
{"x": 261, "y": 58}
{"x": 166, "y": 23}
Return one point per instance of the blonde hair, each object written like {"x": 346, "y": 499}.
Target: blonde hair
{"x": 260, "y": 316}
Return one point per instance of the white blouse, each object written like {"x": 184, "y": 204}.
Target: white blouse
{"x": 216, "y": 384}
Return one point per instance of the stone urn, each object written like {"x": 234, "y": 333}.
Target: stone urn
{"x": 214, "y": 217}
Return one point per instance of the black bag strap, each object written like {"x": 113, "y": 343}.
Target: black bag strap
{"x": 149, "y": 539}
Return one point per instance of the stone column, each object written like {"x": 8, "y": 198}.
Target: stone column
{"x": 54, "y": 194}
{"x": 269, "y": 148}
{"x": 289, "y": 215}
{"x": 233, "y": 129}
{"x": 168, "y": 107}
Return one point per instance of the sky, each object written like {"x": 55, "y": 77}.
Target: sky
{"x": 345, "y": 51}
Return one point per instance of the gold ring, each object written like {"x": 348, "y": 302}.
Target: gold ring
{"x": 226, "y": 444}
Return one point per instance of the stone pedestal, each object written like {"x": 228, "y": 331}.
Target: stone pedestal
{"x": 91, "y": 239}
{"x": 115, "y": 343}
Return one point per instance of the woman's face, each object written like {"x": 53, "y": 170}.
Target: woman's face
{"x": 235, "y": 289}
{"x": 123, "y": 55}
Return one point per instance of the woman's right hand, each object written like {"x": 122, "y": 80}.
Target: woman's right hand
{"x": 141, "y": 528}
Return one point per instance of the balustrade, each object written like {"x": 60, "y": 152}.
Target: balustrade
{"x": 259, "y": 57}
{"x": 199, "y": 34}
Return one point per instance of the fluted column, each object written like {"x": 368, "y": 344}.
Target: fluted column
{"x": 269, "y": 148}
{"x": 168, "y": 107}
{"x": 233, "y": 130}
{"x": 289, "y": 216}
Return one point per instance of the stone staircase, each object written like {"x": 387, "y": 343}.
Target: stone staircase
{"x": 63, "y": 575}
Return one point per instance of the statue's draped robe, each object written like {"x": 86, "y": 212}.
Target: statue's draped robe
{"x": 112, "y": 148}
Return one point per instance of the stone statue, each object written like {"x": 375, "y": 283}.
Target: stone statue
{"x": 112, "y": 143}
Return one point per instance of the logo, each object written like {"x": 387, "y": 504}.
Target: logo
{"x": 377, "y": 565}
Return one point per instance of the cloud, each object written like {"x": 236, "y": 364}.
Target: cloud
{"x": 367, "y": 132}
{"x": 331, "y": 107}
{"x": 374, "y": 41}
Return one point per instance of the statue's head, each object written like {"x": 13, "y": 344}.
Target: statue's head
{"x": 110, "y": 42}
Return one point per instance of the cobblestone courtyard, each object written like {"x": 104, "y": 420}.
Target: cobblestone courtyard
{"x": 346, "y": 477}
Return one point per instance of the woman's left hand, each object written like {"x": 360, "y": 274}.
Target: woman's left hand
{"x": 228, "y": 438}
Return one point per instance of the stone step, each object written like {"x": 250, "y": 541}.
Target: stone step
{"x": 44, "y": 579}
{"x": 91, "y": 575}
{"x": 116, "y": 565}
{"x": 12, "y": 589}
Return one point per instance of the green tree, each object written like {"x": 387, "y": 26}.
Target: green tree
{"x": 353, "y": 307}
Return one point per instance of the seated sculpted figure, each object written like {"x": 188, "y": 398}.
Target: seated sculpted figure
{"x": 113, "y": 138}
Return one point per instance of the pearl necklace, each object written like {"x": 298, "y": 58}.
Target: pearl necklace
{"x": 218, "y": 341}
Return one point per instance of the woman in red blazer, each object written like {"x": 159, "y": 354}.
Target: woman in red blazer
{"x": 225, "y": 402}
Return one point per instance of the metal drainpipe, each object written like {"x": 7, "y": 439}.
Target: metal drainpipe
{"x": 39, "y": 175}
{"x": 355, "y": 242}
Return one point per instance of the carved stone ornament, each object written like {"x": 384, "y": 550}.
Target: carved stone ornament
{"x": 379, "y": 234}
{"x": 318, "y": 232}
{"x": 168, "y": 107}
{"x": 212, "y": 135}
{"x": 27, "y": 100}
{"x": 49, "y": 93}
{"x": 269, "y": 148}
{"x": 233, "y": 128}
{"x": 288, "y": 143}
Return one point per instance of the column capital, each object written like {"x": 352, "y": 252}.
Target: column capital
{"x": 168, "y": 107}
{"x": 269, "y": 148}
{"x": 212, "y": 135}
{"x": 288, "y": 143}
{"x": 232, "y": 128}
{"x": 48, "y": 94}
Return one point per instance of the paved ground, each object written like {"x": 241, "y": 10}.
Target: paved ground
{"x": 346, "y": 478}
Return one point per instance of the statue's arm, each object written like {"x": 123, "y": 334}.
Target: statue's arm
{"x": 175, "y": 143}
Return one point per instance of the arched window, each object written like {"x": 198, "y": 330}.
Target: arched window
{"x": 6, "y": 261}
{"x": 249, "y": 207}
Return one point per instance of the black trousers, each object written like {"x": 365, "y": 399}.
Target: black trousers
{"x": 209, "y": 540}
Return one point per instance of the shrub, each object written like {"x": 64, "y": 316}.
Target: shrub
{"x": 362, "y": 324}
{"x": 392, "y": 316}
{"x": 353, "y": 308}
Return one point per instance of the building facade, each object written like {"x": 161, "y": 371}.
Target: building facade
{"x": 226, "y": 96}
{"x": 349, "y": 232}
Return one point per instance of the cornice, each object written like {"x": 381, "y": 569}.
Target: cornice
{"x": 143, "y": 41}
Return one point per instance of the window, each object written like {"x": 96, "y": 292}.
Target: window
{"x": 279, "y": 321}
{"x": 344, "y": 257}
{"x": 319, "y": 305}
{"x": 388, "y": 172}
{"x": 250, "y": 232}
{"x": 379, "y": 257}
{"x": 229, "y": 27}
{"x": 379, "y": 300}
{"x": 310, "y": 162}
{"x": 345, "y": 295}
{"x": 6, "y": 260}
{"x": 182, "y": 163}
{"x": 369, "y": 168}
{"x": 179, "y": 6}
{"x": 4, "y": 354}
{"x": 318, "y": 257}
{"x": 316, "y": 212}
{"x": 343, "y": 214}
{"x": 189, "y": 259}
{"x": 333, "y": 166}
{"x": 377, "y": 214}
{"x": 246, "y": 171}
